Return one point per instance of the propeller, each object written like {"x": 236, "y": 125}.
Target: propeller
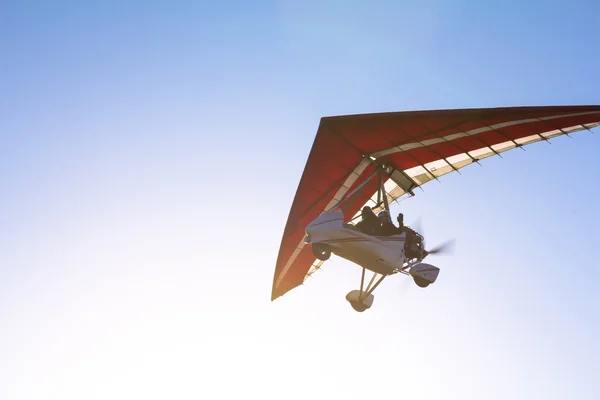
{"x": 444, "y": 248}
{"x": 404, "y": 286}
{"x": 417, "y": 227}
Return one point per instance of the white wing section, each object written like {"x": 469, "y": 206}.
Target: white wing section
{"x": 424, "y": 173}
{"x": 314, "y": 268}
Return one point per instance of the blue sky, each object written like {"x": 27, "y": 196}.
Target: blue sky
{"x": 149, "y": 155}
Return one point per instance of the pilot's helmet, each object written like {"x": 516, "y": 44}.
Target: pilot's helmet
{"x": 384, "y": 216}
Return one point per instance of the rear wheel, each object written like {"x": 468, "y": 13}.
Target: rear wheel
{"x": 360, "y": 307}
{"x": 321, "y": 251}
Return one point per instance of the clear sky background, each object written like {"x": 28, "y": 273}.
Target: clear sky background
{"x": 149, "y": 155}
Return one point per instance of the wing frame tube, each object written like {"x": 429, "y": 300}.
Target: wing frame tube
{"x": 354, "y": 192}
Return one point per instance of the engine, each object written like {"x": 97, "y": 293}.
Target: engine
{"x": 413, "y": 247}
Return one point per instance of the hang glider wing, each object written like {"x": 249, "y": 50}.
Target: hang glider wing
{"x": 420, "y": 146}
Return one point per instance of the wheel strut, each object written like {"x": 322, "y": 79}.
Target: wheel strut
{"x": 366, "y": 293}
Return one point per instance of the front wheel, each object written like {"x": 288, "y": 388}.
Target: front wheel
{"x": 421, "y": 282}
{"x": 321, "y": 251}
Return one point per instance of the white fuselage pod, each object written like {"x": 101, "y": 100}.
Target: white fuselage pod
{"x": 380, "y": 254}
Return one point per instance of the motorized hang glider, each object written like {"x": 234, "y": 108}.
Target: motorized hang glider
{"x": 374, "y": 159}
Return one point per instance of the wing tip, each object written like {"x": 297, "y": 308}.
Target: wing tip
{"x": 278, "y": 291}
{"x": 275, "y": 291}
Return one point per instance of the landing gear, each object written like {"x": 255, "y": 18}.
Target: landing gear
{"x": 424, "y": 274}
{"x": 321, "y": 251}
{"x": 361, "y": 300}
{"x": 421, "y": 282}
{"x": 358, "y": 306}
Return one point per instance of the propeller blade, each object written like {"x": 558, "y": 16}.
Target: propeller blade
{"x": 446, "y": 247}
{"x": 417, "y": 226}
{"x": 405, "y": 286}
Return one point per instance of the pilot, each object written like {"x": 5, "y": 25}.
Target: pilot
{"x": 369, "y": 223}
{"x": 387, "y": 227}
